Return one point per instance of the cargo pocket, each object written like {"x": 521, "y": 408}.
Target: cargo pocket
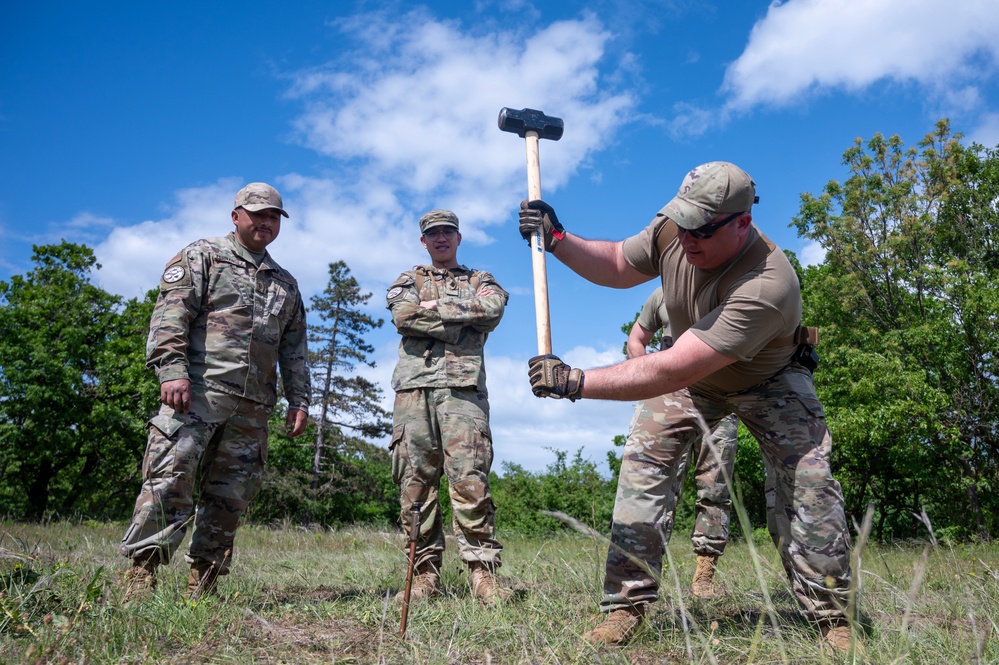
{"x": 398, "y": 463}
{"x": 482, "y": 443}
{"x": 160, "y": 427}
{"x": 811, "y": 404}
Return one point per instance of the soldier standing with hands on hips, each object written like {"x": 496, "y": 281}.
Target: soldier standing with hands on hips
{"x": 734, "y": 306}
{"x": 445, "y": 312}
{"x": 226, "y": 317}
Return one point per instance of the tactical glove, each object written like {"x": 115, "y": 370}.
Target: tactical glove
{"x": 538, "y": 214}
{"x": 550, "y": 377}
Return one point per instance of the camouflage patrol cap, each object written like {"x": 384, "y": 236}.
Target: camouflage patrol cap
{"x": 259, "y": 196}
{"x": 710, "y": 190}
{"x": 438, "y": 218}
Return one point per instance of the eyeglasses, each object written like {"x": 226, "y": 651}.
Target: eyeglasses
{"x": 447, "y": 232}
{"x": 708, "y": 230}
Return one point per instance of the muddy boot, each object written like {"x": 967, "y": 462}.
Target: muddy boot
{"x": 139, "y": 581}
{"x": 201, "y": 580}
{"x": 704, "y": 577}
{"x": 838, "y": 635}
{"x": 426, "y": 583}
{"x": 618, "y": 627}
{"x": 485, "y": 586}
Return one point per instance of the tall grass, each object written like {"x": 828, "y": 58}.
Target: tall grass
{"x": 298, "y": 596}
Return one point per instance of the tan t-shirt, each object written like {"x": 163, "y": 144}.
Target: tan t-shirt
{"x": 761, "y": 305}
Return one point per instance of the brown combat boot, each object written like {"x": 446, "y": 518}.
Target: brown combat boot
{"x": 618, "y": 627}
{"x": 426, "y": 583}
{"x": 838, "y": 635}
{"x": 485, "y": 586}
{"x": 201, "y": 580}
{"x": 704, "y": 577}
{"x": 139, "y": 581}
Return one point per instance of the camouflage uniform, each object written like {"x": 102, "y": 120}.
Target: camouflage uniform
{"x": 441, "y": 414}
{"x": 713, "y": 462}
{"x": 225, "y": 323}
{"x": 751, "y": 314}
{"x": 787, "y": 419}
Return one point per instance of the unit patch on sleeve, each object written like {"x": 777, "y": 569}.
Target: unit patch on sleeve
{"x": 174, "y": 274}
{"x": 394, "y": 293}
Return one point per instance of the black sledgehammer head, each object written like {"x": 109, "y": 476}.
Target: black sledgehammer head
{"x": 530, "y": 120}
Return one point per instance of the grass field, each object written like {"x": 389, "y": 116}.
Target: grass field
{"x": 298, "y": 596}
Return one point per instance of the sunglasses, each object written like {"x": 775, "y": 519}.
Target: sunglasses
{"x": 447, "y": 232}
{"x": 708, "y": 230}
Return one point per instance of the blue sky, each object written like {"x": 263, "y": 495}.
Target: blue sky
{"x": 130, "y": 126}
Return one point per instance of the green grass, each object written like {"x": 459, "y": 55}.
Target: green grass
{"x": 298, "y": 596}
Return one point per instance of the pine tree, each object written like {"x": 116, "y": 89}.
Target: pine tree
{"x": 346, "y": 400}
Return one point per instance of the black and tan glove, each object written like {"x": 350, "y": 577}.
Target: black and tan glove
{"x": 550, "y": 377}
{"x": 536, "y": 215}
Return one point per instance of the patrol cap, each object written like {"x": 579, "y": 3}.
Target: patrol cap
{"x": 710, "y": 190}
{"x": 438, "y": 218}
{"x": 259, "y": 196}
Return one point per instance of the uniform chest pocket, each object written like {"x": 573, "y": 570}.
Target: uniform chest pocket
{"x": 229, "y": 286}
{"x": 277, "y": 295}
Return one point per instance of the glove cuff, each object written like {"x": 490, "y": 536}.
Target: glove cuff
{"x": 574, "y": 384}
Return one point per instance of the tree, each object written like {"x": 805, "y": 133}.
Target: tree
{"x": 347, "y": 402}
{"x": 72, "y": 392}
{"x": 907, "y": 306}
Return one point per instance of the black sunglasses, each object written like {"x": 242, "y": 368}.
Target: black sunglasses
{"x": 708, "y": 230}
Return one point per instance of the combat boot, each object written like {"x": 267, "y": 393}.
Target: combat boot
{"x": 485, "y": 586}
{"x": 201, "y": 580}
{"x": 139, "y": 581}
{"x": 426, "y": 583}
{"x": 618, "y": 626}
{"x": 704, "y": 577}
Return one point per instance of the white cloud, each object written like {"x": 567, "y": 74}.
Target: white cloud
{"x": 812, "y": 254}
{"x": 804, "y": 46}
{"x": 987, "y": 132}
{"x": 409, "y": 122}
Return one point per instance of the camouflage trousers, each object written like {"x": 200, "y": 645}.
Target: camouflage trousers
{"x": 220, "y": 448}
{"x": 713, "y": 458}
{"x": 787, "y": 420}
{"x": 446, "y": 430}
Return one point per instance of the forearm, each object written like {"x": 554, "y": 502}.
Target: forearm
{"x": 638, "y": 340}
{"x": 481, "y": 312}
{"x": 413, "y": 320}
{"x": 600, "y": 261}
{"x": 654, "y": 374}
{"x": 634, "y": 379}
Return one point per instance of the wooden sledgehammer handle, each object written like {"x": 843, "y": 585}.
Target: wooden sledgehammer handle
{"x": 541, "y": 314}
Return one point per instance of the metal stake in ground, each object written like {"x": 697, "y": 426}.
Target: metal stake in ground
{"x": 532, "y": 125}
{"x": 414, "y": 537}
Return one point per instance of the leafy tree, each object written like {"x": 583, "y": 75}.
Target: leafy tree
{"x": 906, "y": 303}
{"x": 72, "y": 393}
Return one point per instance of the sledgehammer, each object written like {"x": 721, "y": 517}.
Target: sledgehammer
{"x": 532, "y": 125}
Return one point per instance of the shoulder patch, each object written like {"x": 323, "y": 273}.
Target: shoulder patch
{"x": 174, "y": 274}
{"x": 177, "y": 273}
{"x": 394, "y": 293}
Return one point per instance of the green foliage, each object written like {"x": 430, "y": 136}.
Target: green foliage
{"x": 357, "y": 485}
{"x": 72, "y": 394}
{"x": 576, "y": 489}
{"x": 907, "y": 304}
